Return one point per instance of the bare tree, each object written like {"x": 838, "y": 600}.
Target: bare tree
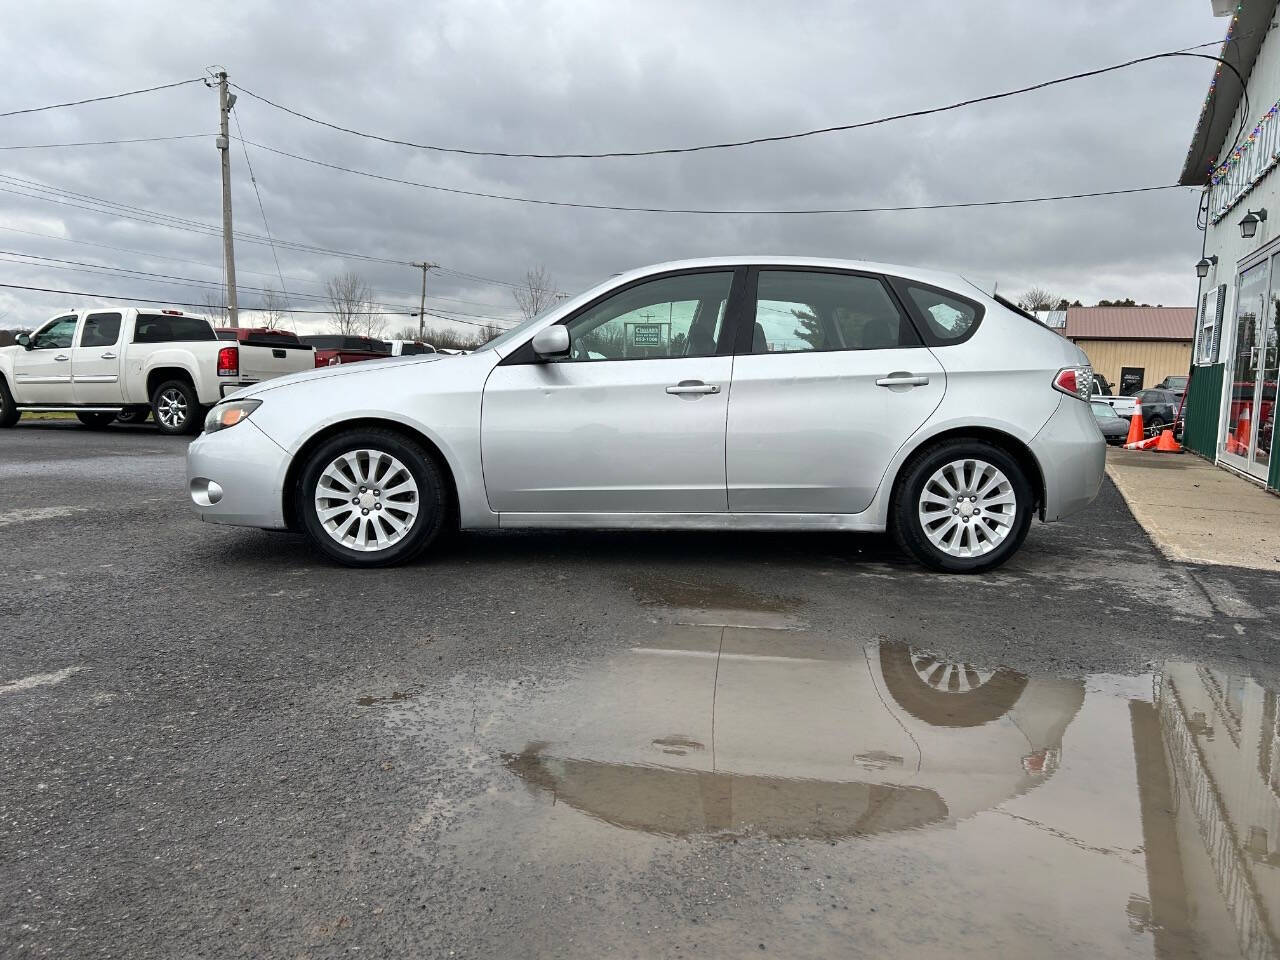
{"x": 215, "y": 309}
{"x": 351, "y": 301}
{"x": 1038, "y": 298}
{"x": 274, "y": 309}
{"x": 537, "y": 294}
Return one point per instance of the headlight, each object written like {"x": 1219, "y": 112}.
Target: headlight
{"x": 229, "y": 414}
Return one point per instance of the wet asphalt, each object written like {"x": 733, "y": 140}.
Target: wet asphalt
{"x": 249, "y": 752}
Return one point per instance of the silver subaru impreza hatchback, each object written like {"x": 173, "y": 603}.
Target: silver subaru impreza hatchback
{"x": 743, "y": 393}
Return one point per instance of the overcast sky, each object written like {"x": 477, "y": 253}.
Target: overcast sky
{"x": 579, "y": 76}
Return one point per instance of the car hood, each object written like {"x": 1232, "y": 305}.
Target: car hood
{"x": 367, "y": 367}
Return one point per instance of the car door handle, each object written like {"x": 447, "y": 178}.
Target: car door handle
{"x": 108, "y": 355}
{"x": 901, "y": 380}
{"x": 693, "y": 386}
{"x": 62, "y": 356}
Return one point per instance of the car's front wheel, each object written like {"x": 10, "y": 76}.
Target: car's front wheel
{"x": 371, "y": 498}
{"x": 9, "y": 412}
{"x": 962, "y": 506}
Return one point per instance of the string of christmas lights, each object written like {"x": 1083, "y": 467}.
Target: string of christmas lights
{"x": 1220, "y": 172}
{"x": 1213, "y": 82}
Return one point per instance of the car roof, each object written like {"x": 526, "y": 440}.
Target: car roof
{"x": 939, "y": 278}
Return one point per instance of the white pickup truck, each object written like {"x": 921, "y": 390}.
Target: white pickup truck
{"x": 104, "y": 361}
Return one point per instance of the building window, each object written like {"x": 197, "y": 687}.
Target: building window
{"x": 1209, "y": 325}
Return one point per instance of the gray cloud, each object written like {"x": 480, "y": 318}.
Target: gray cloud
{"x": 575, "y": 76}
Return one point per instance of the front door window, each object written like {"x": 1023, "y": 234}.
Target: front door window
{"x": 1265, "y": 394}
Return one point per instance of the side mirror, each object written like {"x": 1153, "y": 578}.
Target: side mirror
{"x": 551, "y": 342}
{"x": 24, "y": 341}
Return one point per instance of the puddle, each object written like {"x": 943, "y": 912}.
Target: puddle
{"x": 715, "y": 787}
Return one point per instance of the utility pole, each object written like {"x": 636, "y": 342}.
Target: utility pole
{"x": 225, "y": 102}
{"x": 422, "y": 304}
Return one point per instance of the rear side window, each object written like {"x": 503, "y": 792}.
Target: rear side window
{"x": 100, "y": 330}
{"x": 151, "y": 328}
{"x": 948, "y": 318}
{"x": 800, "y": 311}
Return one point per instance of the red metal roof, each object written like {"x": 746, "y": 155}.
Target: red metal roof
{"x": 1130, "y": 323}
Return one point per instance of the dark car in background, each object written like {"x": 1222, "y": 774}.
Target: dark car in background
{"x": 1114, "y": 427}
{"x": 1160, "y": 408}
{"x": 334, "y": 349}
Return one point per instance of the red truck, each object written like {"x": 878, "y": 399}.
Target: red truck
{"x": 333, "y": 349}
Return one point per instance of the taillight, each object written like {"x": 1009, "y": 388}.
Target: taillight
{"x": 229, "y": 362}
{"x": 1075, "y": 382}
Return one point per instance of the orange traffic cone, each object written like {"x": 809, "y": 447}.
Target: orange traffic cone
{"x": 1136, "y": 430}
{"x": 1166, "y": 443}
{"x": 1238, "y": 443}
{"x": 1147, "y": 444}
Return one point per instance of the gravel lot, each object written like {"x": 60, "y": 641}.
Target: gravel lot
{"x": 216, "y": 744}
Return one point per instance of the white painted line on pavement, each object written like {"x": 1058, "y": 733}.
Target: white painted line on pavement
{"x": 39, "y": 513}
{"x": 39, "y": 680}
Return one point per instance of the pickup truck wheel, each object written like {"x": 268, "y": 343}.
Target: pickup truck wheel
{"x": 9, "y": 412}
{"x": 371, "y": 498}
{"x": 96, "y": 421}
{"x": 963, "y": 506}
{"x": 133, "y": 415}
{"x": 175, "y": 407}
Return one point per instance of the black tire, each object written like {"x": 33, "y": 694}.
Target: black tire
{"x": 176, "y": 408}
{"x": 1155, "y": 424}
{"x": 904, "y": 512}
{"x": 981, "y": 703}
{"x": 96, "y": 421}
{"x": 425, "y": 528}
{"x": 9, "y": 412}
{"x": 133, "y": 415}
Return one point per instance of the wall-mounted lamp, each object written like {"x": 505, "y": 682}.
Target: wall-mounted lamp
{"x": 1202, "y": 268}
{"x": 1249, "y": 224}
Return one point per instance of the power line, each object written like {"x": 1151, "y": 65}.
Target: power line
{"x": 104, "y": 143}
{"x": 110, "y": 96}
{"x": 257, "y": 273}
{"x": 178, "y": 303}
{"x": 708, "y": 211}
{"x": 80, "y": 266}
{"x": 730, "y": 144}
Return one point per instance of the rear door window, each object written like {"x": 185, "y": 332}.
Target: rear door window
{"x": 799, "y": 311}
{"x": 100, "y": 330}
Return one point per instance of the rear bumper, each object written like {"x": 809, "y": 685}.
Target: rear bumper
{"x": 236, "y": 476}
{"x": 226, "y": 388}
{"x": 1072, "y": 455}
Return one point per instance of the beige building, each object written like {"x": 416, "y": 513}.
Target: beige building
{"x": 1134, "y": 347}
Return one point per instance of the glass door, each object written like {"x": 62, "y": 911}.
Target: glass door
{"x": 1268, "y": 372}
{"x": 1252, "y": 318}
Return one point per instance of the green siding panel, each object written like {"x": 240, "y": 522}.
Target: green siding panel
{"x": 1204, "y": 399}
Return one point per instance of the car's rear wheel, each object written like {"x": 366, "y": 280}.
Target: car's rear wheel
{"x": 175, "y": 407}
{"x": 96, "y": 421}
{"x": 1155, "y": 424}
{"x": 371, "y": 498}
{"x": 962, "y": 506}
{"x": 9, "y": 412}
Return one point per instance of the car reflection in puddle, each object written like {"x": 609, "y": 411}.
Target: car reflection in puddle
{"x": 945, "y": 809}
{"x": 794, "y": 737}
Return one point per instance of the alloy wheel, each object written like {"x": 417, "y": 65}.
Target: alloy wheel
{"x": 171, "y": 408}
{"x": 947, "y": 676}
{"x": 366, "y": 500}
{"x": 967, "y": 508}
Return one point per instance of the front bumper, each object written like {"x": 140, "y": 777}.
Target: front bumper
{"x": 236, "y": 476}
{"x": 1072, "y": 456}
